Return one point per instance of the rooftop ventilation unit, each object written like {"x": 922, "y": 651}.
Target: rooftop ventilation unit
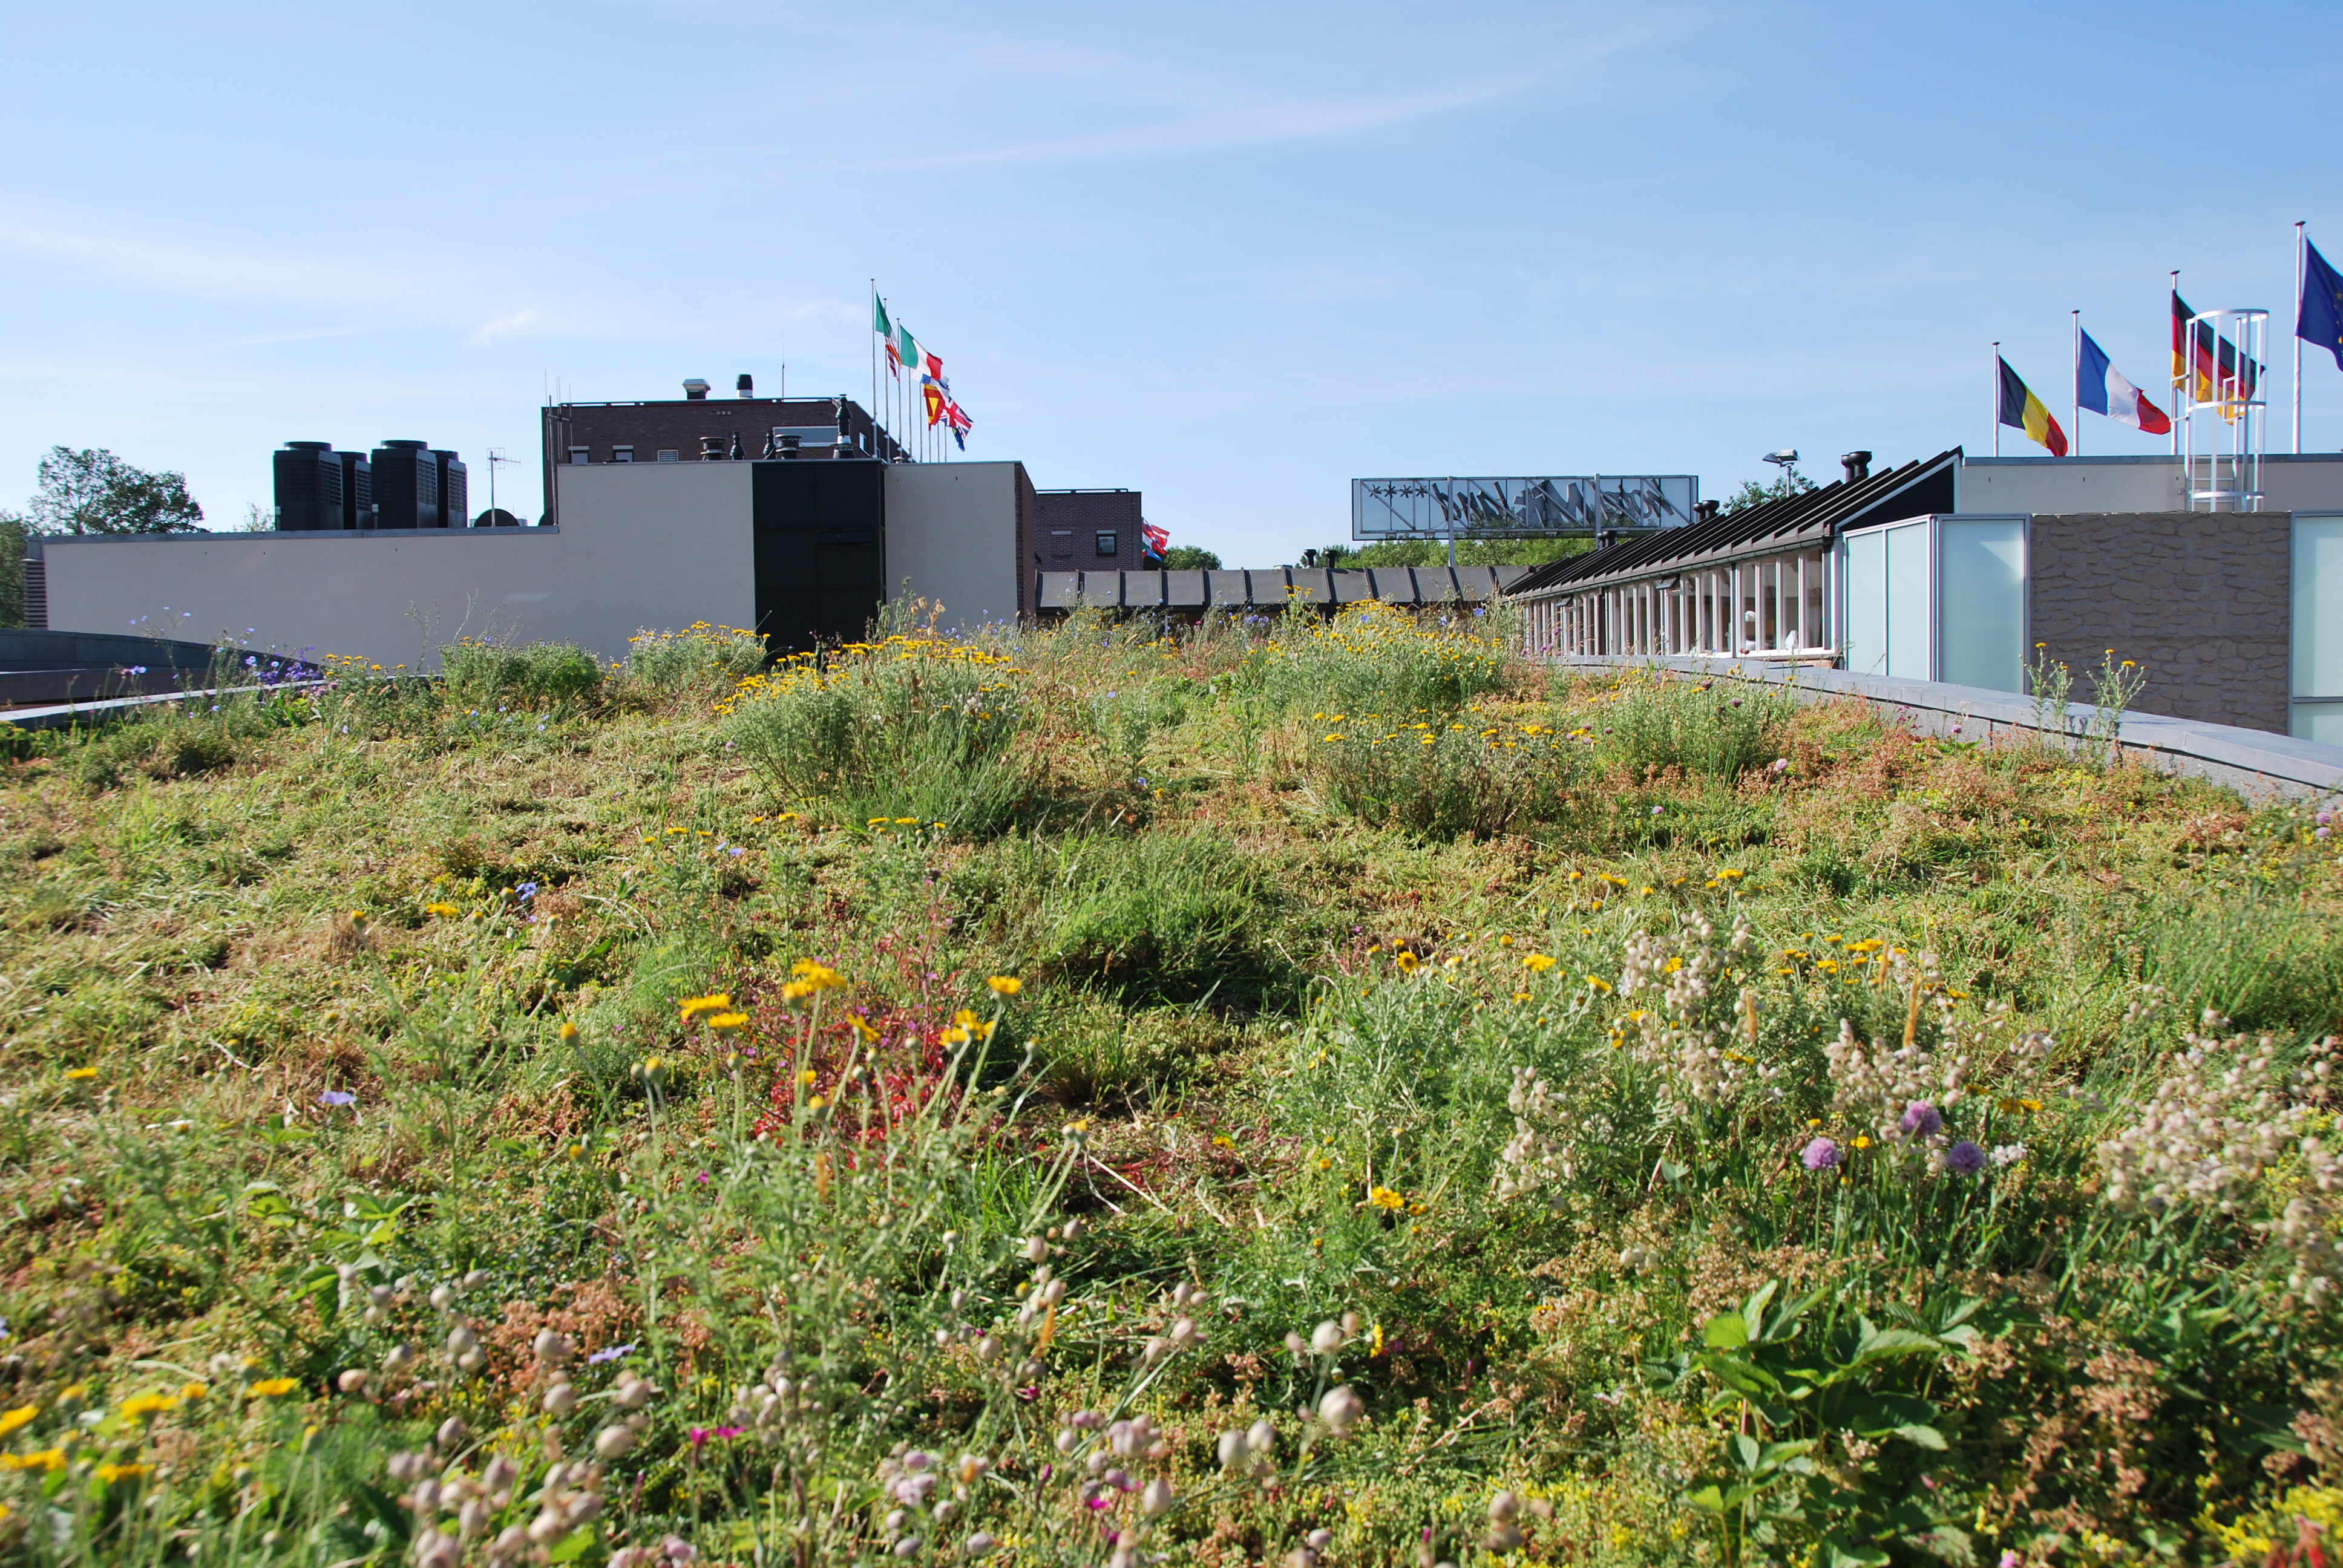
{"x": 746, "y": 385}
{"x": 309, "y": 487}
{"x": 696, "y": 390}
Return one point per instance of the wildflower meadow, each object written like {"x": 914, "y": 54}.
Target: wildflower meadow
{"x": 1278, "y": 1091}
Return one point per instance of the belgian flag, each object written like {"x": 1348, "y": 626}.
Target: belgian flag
{"x": 2021, "y": 409}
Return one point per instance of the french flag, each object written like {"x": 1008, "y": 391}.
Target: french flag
{"x": 2100, "y": 387}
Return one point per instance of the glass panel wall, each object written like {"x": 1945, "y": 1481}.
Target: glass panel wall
{"x": 1982, "y": 600}
{"x": 2317, "y": 662}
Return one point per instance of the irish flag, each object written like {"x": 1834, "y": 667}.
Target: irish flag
{"x": 2101, "y": 388}
{"x": 2020, "y": 407}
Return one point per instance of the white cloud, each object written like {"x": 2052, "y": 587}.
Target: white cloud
{"x": 501, "y": 327}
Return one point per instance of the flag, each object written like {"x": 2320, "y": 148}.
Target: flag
{"x": 934, "y": 396}
{"x": 2021, "y": 409}
{"x": 936, "y": 371}
{"x": 2218, "y": 369}
{"x": 905, "y": 348}
{"x": 957, "y": 418}
{"x": 2101, "y": 388}
{"x": 1159, "y": 541}
{"x": 2321, "y": 317}
{"x": 885, "y": 329}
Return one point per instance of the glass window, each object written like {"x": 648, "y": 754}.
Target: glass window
{"x": 1982, "y": 598}
{"x": 670, "y": 455}
{"x": 1867, "y": 603}
{"x": 1908, "y": 638}
{"x": 2317, "y": 606}
{"x": 622, "y": 454}
{"x": 578, "y": 454}
{"x": 1106, "y": 545}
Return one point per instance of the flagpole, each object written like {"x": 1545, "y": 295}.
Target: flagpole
{"x": 2076, "y": 435}
{"x": 2180, "y": 356}
{"x": 2298, "y": 238}
{"x": 1997, "y": 396}
{"x": 874, "y": 371}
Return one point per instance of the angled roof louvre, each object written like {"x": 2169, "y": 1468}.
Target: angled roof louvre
{"x": 1785, "y": 524}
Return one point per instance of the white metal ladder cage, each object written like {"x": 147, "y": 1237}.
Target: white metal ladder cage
{"x": 2222, "y": 403}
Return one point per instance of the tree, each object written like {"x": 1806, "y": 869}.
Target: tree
{"x": 12, "y": 569}
{"x": 93, "y": 491}
{"x": 1190, "y": 558}
{"x": 1753, "y": 494}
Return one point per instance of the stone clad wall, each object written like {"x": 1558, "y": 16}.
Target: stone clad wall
{"x": 2200, "y": 598}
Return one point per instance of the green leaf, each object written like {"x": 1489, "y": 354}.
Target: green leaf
{"x": 1726, "y": 1331}
{"x": 573, "y": 1545}
{"x": 1707, "y": 1499}
{"x": 1925, "y": 1436}
{"x": 1837, "y": 1551}
{"x": 1878, "y": 1344}
{"x": 1745, "y": 1449}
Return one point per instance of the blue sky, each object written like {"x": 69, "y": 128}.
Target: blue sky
{"x": 1232, "y": 255}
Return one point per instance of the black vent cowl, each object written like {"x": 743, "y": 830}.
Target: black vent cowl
{"x": 1858, "y": 466}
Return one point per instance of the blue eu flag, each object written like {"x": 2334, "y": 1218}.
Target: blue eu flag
{"x": 2321, "y": 317}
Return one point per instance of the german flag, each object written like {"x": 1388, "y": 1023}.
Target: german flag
{"x": 2021, "y": 409}
{"x": 2212, "y": 362}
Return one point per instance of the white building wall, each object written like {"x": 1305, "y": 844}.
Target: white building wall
{"x": 644, "y": 545}
{"x": 2310, "y": 482}
{"x": 952, "y": 536}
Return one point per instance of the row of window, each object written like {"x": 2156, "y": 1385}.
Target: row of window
{"x": 1061, "y": 542}
{"x": 581, "y": 456}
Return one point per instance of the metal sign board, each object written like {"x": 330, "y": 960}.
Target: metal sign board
{"x": 1436, "y": 508}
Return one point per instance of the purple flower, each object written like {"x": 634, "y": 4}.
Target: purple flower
{"x": 1657, "y": 810}
{"x": 1922, "y": 1120}
{"x": 526, "y": 892}
{"x": 338, "y": 1097}
{"x": 611, "y": 1354}
{"x": 1822, "y": 1154}
{"x": 1781, "y": 764}
{"x": 1965, "y": 1159}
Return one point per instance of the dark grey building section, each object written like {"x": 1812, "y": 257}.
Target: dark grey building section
{"x": 819, "y": 532}
{"x": 2200, "y": 599}
{"x": 1088, "y": 531}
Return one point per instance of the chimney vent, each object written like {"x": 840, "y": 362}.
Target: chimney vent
{"x": 696, "y": 390}
{"x": 1858, "y": 466}
{"x": 747, "y": 385}
{"x": 711, "y": 449}
{"x": 1705, "y": 511}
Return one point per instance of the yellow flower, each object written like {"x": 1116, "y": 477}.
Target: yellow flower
{"x": 955, "y": 1037}
{"x": 17, "y": 1417}
{"x": 1541, "y": 962}
{"x": 862, "y": 1028}
{"x": 716, "y": 1002}
{"x": 794, "y": 990}
{"x": 1862, "y": 1143}
{"x": 47, "y": 1459}
{"x": 569, "y": 1029}
{"x": 817, "y": 976}
{"x": 192, "y": 1391}
{"x": 140, "y": 1405}
{"x": 444, "y": 911}
{"x": 110, "y": 1474}
{"x": 81, "y": 1072}
{"x": 1005, "y": 985}
{"x": 723, "y": 1020}
{"x": 1384, "y": 1198}
{"x": 1406, "y": 960}
{"x": 815, "y": 1104}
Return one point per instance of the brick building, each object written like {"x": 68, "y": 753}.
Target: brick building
{"x": 1088, "y": 531}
